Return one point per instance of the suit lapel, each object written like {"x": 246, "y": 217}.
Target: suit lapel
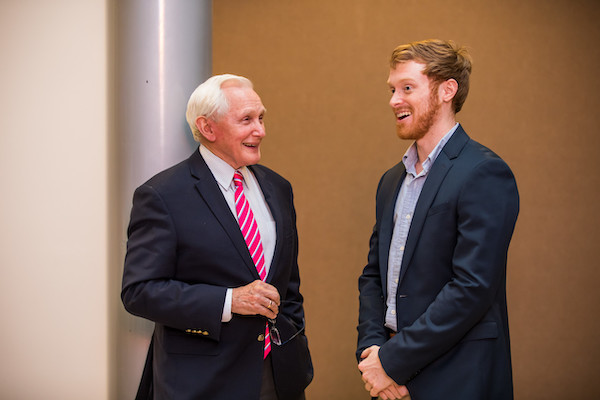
{"x": 209, "y": 190}
{"x": 438, "y": 172}
{"x": 396, "y": 177}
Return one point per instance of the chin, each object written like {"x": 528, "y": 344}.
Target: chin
{"x": 409, "y": 134}
{"x": 252, "y": 160}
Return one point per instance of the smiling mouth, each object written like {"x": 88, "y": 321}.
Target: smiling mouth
{"x": 403, "y": 115}
{"x": 250, "y": 145}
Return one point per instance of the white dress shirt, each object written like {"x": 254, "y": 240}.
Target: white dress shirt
{"x": 223, "y": 174}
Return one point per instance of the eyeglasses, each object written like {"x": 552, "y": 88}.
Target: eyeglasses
{"x": 276, "y": 336}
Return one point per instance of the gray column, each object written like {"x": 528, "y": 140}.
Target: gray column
{"x": 163, "y": 52}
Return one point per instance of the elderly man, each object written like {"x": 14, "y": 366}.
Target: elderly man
{"x": 212, "y": 260}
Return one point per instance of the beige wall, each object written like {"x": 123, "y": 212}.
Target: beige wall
{"x": 321, "y": 68}
{"x": 53, "y": 201}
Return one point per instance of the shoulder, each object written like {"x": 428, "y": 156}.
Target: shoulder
{"x": 173, "y": 177}
{"x": 479, "y": 170}
{"x": 476, "y": 155}
{"x": 468, "y": 153}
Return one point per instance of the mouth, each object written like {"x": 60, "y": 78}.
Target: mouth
{"x": 251, "y": 145}
{"x": 402, "y": 115}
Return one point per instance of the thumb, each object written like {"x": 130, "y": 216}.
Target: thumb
{"x": 367, "y": 351}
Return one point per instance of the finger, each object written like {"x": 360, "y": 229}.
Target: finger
{"x": 273, "y": 307}
{"x": 269, "y": 309}
{"x": 393, "y": 392}
{"x": 366, "y": 352}
{"x": 403, "y": 390}
{"x": 273, "y": 295}
{"x": 268, "y": 291}
{"x": 374, "y": 392}
{"x": 361, "y": 367}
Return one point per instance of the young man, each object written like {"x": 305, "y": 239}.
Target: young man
{"x": 212, "y": 260}
{"x": 433, "y": 318}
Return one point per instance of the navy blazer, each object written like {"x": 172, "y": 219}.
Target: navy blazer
{"x": 184, "y": 250}
{"x": 453, "y": 339}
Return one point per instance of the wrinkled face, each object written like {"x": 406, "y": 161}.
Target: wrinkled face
{"x": 414, "y": 100}
{"x": 238, "y": 133}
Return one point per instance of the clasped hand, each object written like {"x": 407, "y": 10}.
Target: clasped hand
{"x": 256, "y": 298}
{"x": 377, "y": 382}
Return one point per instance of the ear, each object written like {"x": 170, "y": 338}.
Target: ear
{"x": 448, "y": 90}
{"x": 204, "y": 125}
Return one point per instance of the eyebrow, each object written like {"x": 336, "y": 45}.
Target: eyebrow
{"x": 252, "y": 109}
{"x": 404, "y": 81}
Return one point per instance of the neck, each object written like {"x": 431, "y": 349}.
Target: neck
{"x": 427, "y": 143}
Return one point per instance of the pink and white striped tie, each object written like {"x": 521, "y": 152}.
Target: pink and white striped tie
{"x": 251, "y": 235}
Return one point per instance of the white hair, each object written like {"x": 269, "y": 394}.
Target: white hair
{"x": 208, "y": 100}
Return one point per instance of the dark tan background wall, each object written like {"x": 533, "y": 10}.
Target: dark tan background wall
{"x": 321, "y": 69}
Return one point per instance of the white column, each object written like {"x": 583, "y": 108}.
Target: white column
{"x": 163, "y": 52}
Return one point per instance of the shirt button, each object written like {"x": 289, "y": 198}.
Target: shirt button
{"x": 395, "y": 280}
{"x": 407, "y": 216}
{"x": 393, "y": 312}
{"x": 401, "y": 248}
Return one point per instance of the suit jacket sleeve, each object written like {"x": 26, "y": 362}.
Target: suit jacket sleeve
{"x": 149, "y": 287}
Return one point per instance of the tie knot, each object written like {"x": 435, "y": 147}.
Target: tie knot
{"x": 238, "y": 178}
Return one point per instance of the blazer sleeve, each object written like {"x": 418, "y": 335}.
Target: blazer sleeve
{"x": 486, "y": 212}
{"x": 149, "y": 288}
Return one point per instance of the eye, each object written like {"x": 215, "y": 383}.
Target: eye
{"x": 407, "y": 88}
{"x": 392, "y": 90}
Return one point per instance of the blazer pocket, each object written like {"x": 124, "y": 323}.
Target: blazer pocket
{"x": 483, "y": 330}
{"x": 183, "y": 343}
{"x": 438, "y": 209}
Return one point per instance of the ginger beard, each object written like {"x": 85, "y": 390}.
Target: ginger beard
{"x": 422, "y": 121}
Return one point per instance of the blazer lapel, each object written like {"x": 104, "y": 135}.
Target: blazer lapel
{"x": 386, "y": 228}
{"x": 440, "y": 168}
{"x": 209, "y": 190}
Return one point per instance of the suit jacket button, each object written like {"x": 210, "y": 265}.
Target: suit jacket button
{"x": 261, "y": 337}
{"x": 205, "y": 333}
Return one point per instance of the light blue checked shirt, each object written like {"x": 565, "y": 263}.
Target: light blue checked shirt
{"x": 403, "y": 213}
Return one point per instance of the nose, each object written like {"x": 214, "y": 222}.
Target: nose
{"x": 396, "y": 99}
{"x": 259, "y": 129}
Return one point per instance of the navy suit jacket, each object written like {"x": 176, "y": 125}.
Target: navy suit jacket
{"x": 453, "y": 338}
{"x": 184, "y": 250}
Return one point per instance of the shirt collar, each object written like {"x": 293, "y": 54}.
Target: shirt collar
{"x": 222, "y": 171}
{"x": 411, "y": 157}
